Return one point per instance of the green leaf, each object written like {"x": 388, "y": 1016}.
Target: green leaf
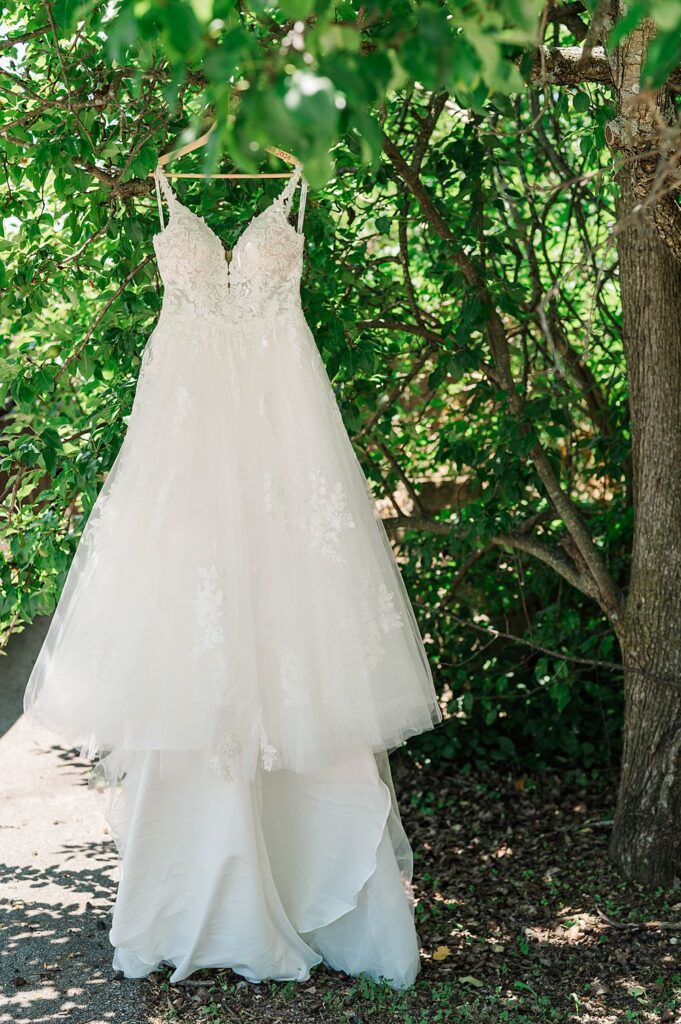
{"x": 666, "y": 14}
{"x": 67, "y": 12}
{"x": 123, "y": 33}
{"x": 8, "y": 371}
{"x": 664, "y": 54}
{"x": 428, "y": 52}
{"x": 296, "y": 10}
{"x": 371, "y": 136}
{"x": 145, "y": 161}
{"x": 223, "y": 61}
{"x": 184, "y": 30}
{"x": 86, "y": 364}
{"x": 49, "y": 435}
{"x": 581, "y": 101}
{"x": 49, "y": 458}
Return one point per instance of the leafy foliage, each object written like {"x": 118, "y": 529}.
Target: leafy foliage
{"x": 521, "y": 179}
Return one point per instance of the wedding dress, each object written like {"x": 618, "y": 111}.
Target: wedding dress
{"x": 234, "y": 643}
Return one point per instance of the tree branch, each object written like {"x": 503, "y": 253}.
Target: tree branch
{"x": 608, "y": 593}
{"x": 566, "y": 65}
{"x": 426, "y": 128}
{"x": 25, "y": 37}
{"x": 518, "y": 541}
{"x": 422, "y": 523}
{"x": 105, "y": 309}
{"x": 549, "y": 556}
{"x": 646, "y": 131}
{"x": 569, "y": 15}
{"x": 395, "y": 393}
{"x": 595, "y": 30}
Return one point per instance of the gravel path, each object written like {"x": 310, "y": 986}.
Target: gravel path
{"x": 58, "y": 873}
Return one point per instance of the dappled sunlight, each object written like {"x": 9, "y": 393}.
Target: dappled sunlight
{"x": 509, "y": 878}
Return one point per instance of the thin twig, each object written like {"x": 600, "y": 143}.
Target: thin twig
{"x": 119, "y": 291}
{"x": 635, "y": 926}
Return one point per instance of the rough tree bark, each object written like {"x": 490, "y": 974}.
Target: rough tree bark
{"x": 646, "y": 839}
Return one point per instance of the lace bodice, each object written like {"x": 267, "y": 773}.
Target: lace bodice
{"x": 262, "y": 278}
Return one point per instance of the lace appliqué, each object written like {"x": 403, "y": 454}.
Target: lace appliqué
{"x": 192, "y": 265}
{"x": 379, "y": 617}
{"x": 326, "y": 517}
{"x": 226, "y": 756}
{"x": 207, "y": 606}
{"x": 229, "y": 753}
{"x": 268, "y": 752}
{"x": 261, "y": 280}
{"x": 388, "y": 616}
{"x": 264, "y": 275}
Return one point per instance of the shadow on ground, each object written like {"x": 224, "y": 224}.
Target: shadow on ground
{"x": 58, "y": 873}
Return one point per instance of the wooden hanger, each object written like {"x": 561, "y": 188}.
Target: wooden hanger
{"x": 202, "y": 140}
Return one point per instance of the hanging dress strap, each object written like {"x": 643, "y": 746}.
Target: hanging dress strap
{"x": 158, "y": 198}
{"x": 287, "y": 195}
{"x": 301, "y": 205}
{"x": 163, "y": 186}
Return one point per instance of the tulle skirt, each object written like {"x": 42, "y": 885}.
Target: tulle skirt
{"x": 234, "y": 592}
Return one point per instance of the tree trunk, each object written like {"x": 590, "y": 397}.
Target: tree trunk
{"x": 646, "y": 840}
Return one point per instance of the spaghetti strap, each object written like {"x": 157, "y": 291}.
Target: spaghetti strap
{"x": 301, "y": 205}
{"x": 158, "y": 199}
{"x": 163, "y": 186}
{"x": 287, "y": 195}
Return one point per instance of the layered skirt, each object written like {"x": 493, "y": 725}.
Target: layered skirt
{"x": 234, "y": 641}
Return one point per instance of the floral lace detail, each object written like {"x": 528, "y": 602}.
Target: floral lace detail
{"x": 207, "y": 606}
{"x": 379, "y": 617}
{"x": 269, "y": 753}
{"x": 192, "y": 265}
{"x": 389, "y": 616}
{"x": 226, "y": 756}
{"x": 326, "y": 517}
{"x": 262, "y": 278}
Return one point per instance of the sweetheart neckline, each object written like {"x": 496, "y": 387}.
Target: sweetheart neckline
{"x": 163, "y": 231}
{"x": 278, "y": 199}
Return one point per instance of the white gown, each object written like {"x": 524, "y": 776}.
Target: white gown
{"x": 234, "y": 643}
